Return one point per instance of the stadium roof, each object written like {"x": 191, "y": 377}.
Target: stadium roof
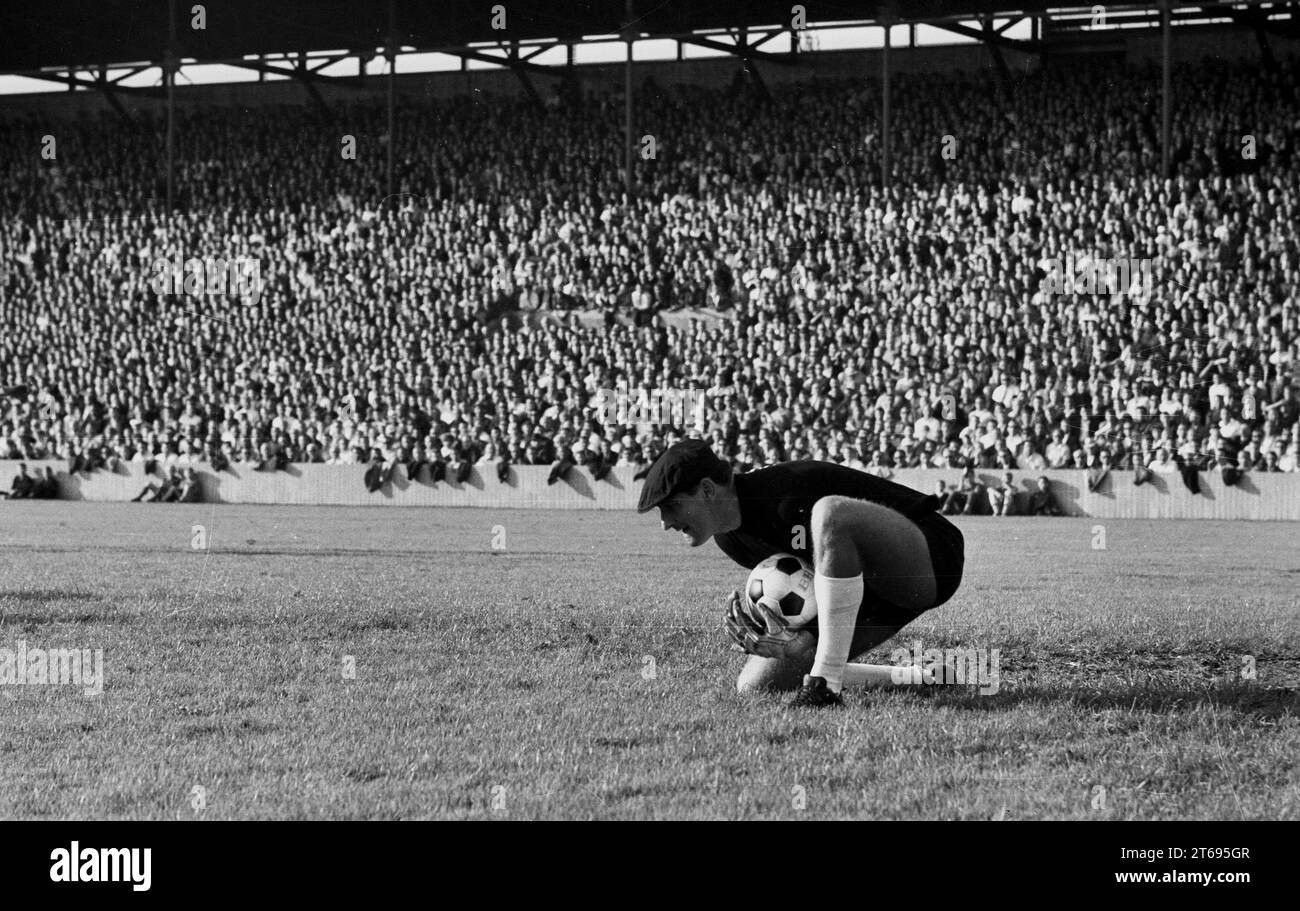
{"x": 81, "y": 33}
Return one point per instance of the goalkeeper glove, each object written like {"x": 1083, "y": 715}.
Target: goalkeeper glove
{"x": 756, "y": 629}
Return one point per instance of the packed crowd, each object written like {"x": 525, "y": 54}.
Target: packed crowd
{"x": 913, "y": 327}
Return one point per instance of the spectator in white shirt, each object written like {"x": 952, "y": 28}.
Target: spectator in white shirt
{"x": 1230, "y": 428}
{"x": 1220, "y": 392}
{"x": 1163, "y": 463}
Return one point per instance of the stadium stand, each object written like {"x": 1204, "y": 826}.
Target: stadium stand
{"x": 452, "y": 324}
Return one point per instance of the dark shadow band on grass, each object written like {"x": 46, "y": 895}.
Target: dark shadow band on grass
{"x": 1269, "y": 703}
{"x": 28, "y": 618}
{"x": 49, "y": 594}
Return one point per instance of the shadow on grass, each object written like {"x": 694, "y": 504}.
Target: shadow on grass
{"x": 25, "y": 618}
{"x": 1268, "y": 703}
{"x": 49, "y": 594}
{"x": 46, "y": 598}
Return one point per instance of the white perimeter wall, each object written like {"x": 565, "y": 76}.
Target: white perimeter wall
{"x": 1257, "y": 496}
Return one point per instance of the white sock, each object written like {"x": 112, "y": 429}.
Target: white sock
{"x": 884, "y": 675}
{"x": 837, "y": 615}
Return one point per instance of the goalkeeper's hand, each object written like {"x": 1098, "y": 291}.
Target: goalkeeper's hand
{"x": 756, "y": 629}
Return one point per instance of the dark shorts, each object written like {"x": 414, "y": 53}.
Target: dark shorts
{"x": 947, "y": 554}
{"x": 879, "y": 620}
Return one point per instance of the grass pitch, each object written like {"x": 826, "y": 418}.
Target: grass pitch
{"x": 390, "y": 663}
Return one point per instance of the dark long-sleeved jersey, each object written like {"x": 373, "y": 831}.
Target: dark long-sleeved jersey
{"x": 776, "y": 506}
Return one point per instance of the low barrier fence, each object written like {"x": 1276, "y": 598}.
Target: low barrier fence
{"x": 1255, "y": 496}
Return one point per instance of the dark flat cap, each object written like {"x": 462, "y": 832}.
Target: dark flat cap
{"x": 681, "y": 467}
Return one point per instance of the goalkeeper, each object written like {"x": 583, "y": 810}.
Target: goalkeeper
{"x": 881, "y": 553}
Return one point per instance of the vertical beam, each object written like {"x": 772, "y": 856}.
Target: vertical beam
{"x": 1261, "y": 37}
{"x": 391, "y": 54}
{"x": 1166, "y": 100}
{"x": 304, "y": 76}
{"x": 751, "y": 69}
{"x": 990, "y": 42}
{"x": 747, "y": 65}
{"x": 884, "y": 109}
{"x": 629, "y": 187}
{"x": 512, "y": 54}
{"x": 570, "y": 88}
{"x": 106, "y": 89}
{"x": 171, "y": 62}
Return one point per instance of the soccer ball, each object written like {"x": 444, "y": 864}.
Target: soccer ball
{"x": 784, "y": 583}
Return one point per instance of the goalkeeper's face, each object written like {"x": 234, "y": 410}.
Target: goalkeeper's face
{"x": 691, "y": 513}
